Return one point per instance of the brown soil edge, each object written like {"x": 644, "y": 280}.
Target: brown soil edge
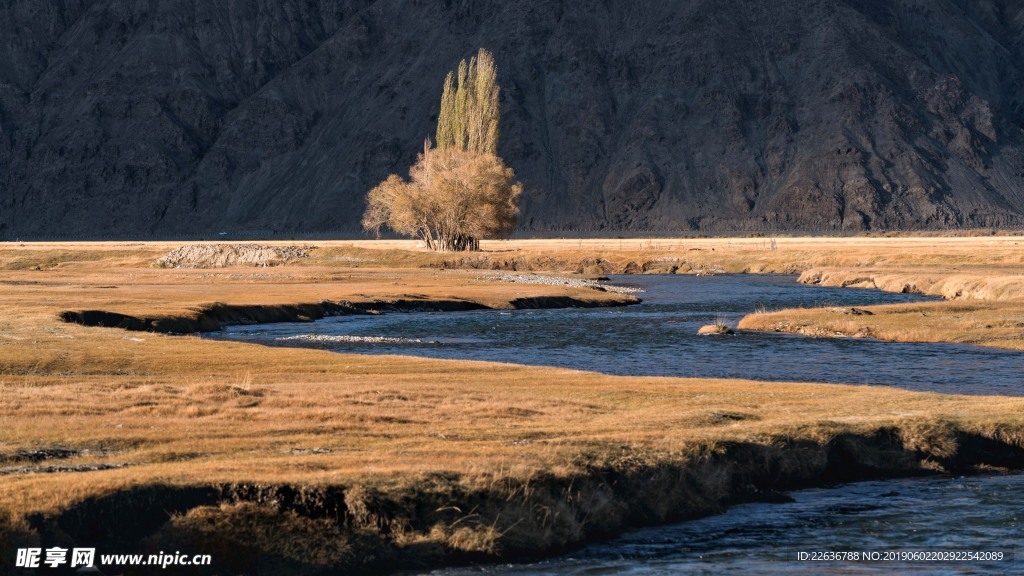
{"x": 214, "y": 317}
{"x": 986, "y": 294}
{"x": 446, "y": 520}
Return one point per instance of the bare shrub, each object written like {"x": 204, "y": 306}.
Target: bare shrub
{"x": 452, "y": 199}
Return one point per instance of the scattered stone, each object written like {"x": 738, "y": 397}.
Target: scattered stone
{"x": 308, "y": 451}
{"x": 853, "y": 311}
{"x": 660, "y": 266}
{"x": 41, "y": 454}
{"x": 561, "y": 281}
{"x": 224, "y": 255}
{"x": 351, "y": 339}
{"x": 11, "y": 470}
{"x": 731, "y": 416}
{"x": 595, "y": 266}
{"x": 709, "y": 270}
{"x": 817, "y": 332}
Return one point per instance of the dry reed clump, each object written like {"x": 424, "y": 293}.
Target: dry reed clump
{"x": 220, "y": 392}
{"x": 716, "y": 328}
{"x": 937, "y": 438}
{"x": 250, "y": 538}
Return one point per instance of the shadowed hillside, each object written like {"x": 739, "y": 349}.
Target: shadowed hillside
{"x": 181, "y": 116}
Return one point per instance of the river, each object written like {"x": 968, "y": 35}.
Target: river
{"x": 658, "y": 337}
{"x": 899, "y": 518}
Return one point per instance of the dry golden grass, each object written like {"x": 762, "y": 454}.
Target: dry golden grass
{"x": 172, "y": 405}
{"x": 981, "y": 282}
{"x": 180, "y": 410}
{"x": 999, "y": 325}
{"x": 733, "y": 255}
{"x": 753, "y": 255}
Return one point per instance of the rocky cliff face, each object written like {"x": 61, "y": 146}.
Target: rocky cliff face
{"x": 181, "y": 116}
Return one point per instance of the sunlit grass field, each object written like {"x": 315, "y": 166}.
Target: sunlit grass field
{"x": 90, "y": 411}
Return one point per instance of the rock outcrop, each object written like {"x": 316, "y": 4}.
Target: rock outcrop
{"x": 224, "y": 255}
{"x": 137, "y": 118}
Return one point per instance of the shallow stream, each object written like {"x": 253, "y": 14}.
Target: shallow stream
{"x": 894, "y": 518}
{"x": 658, "y": 337}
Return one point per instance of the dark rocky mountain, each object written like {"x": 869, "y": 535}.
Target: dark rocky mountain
{"x": 138, "y": 117}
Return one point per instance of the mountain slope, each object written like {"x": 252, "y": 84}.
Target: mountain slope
{"x": 189, "y": 116}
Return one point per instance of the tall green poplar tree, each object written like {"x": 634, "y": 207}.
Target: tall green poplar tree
{"x": 460, "y": 191}
{"x": 469, "y": 107}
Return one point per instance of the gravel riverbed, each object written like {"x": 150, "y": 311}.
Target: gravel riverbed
{"x": 561, "y": 281}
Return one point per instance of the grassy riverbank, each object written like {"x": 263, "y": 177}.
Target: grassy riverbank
{"x": 982, "y": 291}
{"x": 140, "y": 440}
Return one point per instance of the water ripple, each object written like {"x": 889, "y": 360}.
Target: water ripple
{"x": 659, "y": 338}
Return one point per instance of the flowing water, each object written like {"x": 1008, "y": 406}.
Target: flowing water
{"x": 658, "y": 337}
{"x": 897, "y": 518}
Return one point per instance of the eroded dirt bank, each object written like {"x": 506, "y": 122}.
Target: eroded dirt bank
{"x": 983, "y": 308}
{"x": 214, "y": 317}
{"x": 445, "y": 519}
{"x": 989, "y": 285}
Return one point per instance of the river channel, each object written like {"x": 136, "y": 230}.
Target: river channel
{"x": 658, "y": 337}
